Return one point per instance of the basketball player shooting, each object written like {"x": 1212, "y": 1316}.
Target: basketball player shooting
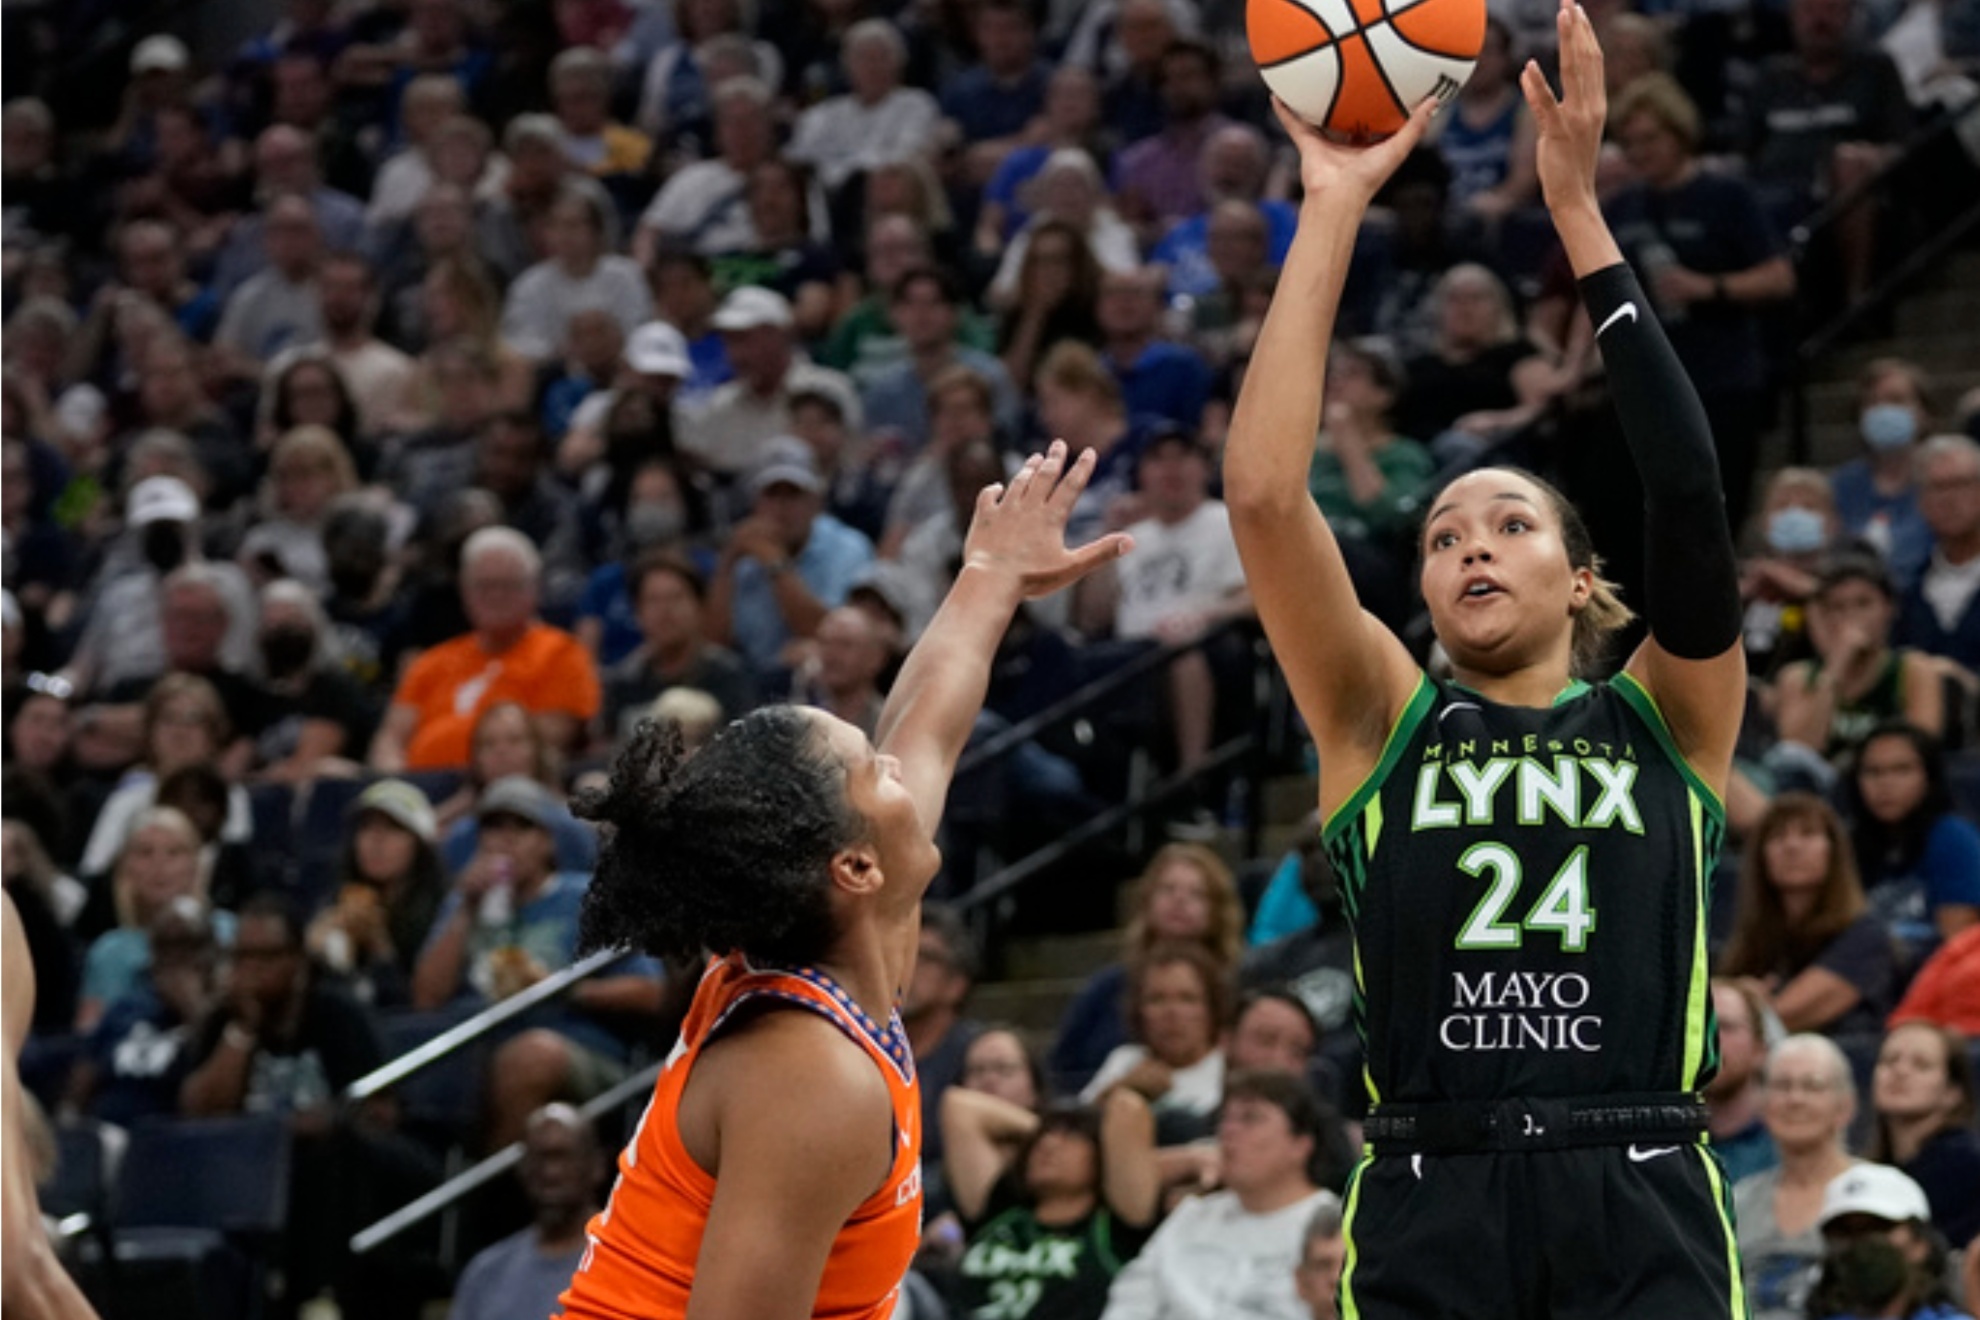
{"x": 1524, "y": 856}
{"x": 776, "y": 1174}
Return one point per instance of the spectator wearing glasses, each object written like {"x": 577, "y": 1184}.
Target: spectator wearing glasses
{"x": 1810, "y": 1100}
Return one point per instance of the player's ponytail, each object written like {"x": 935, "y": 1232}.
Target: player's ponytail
{"x": 1604, "y": 614}
{"x": 728, "y": 849}
{"x": 1601, "y": 618}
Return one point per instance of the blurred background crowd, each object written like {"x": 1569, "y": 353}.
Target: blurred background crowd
{"x": 403, "y": 399}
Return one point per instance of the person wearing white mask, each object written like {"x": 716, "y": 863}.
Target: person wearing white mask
{"x": 1798, "y": 526}
{"x": 1877, "y": 494}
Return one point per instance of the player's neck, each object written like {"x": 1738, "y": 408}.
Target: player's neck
{"x": 1532, "y": 686}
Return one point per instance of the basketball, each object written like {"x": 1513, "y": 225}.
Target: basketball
{"x": 1355, "y": 67}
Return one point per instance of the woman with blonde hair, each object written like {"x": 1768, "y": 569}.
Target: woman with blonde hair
{"x": 308, "y": 469}
{"x": 159, "y": 864}
{"x": 1185, "y": 894}
{"x": 463, "y": 309}
{"x": 1803, "y": 935}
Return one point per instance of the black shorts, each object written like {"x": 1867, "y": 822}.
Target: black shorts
{"x": 1622, "y": 1232}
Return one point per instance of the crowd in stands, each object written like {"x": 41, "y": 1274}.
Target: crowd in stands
{"x": 401, "y": 406}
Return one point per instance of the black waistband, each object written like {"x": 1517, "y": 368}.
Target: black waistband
{"x": 1459, "y": 1127}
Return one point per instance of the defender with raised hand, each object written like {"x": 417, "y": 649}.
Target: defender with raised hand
{"x": 777, "y": 1171}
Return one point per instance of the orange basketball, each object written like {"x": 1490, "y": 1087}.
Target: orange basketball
{"x": 1355, "y": 67}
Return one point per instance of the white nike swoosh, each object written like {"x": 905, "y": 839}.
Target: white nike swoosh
{"x": 1628, "y": 309}
{"x": 1444, "y": 714}
{"x": 1639, "y": 1154}
{"x": 1416, "y": 1166}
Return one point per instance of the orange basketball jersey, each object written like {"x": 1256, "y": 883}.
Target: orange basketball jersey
{"x": 640, "y": 1262}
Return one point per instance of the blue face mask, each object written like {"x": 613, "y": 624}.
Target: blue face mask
{"x": 1888, "y": 426}
{"x": 1795, "y": 531}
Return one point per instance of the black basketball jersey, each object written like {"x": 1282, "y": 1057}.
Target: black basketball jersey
{"x": 1528, "y": 891}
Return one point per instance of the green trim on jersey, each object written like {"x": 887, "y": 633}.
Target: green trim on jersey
{"x": 1350, "y": 1309}
{"x": 1420, "y": 701}
{"x": 1631, "y": 690}
{"x": 1722, "y": 1201}
{"x": 1700, "y": 1041}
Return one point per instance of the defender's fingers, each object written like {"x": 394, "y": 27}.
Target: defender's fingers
{"x": 1073, "y": 484}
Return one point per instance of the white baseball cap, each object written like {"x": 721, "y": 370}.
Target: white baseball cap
{"x": 787, "y": 461}
{"x": 750, "y": 307}
{"x": 1874, "y": 1189}
{"x": 160, "y": 499}
{"x": 160, "y": 53}
{"x": 657, "y": 349}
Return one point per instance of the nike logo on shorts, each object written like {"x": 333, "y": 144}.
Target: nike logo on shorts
{"x": 1628, "y": 310}
{"x": 1642, "y": 1154}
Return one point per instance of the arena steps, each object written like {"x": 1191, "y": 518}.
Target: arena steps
{"x": 1038, "y": 975}
{"x": 1935, "y": 327}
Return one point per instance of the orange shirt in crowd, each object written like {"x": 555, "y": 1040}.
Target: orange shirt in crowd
{"x": 1947, "y": 988}
{"x": 640, "y": 1261}
{"x": 548, "y": 670}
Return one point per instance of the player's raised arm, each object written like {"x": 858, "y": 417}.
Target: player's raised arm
{"x": 1692, "y": 662}
{"x": 1348, "y": 673}
{"x": 1015, "y": 550}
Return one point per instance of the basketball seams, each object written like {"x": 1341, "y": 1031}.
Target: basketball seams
{"x": 1374, "y": 62}
{"x": 1289, "y": 31}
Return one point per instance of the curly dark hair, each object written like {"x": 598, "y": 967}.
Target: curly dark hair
{"x": 724, "y": 851}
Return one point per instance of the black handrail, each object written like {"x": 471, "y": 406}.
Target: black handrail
{"x": 1077, "y": 701}
{"x": 473, "y": 1029}
{"x": 1886, "y": 291}
{"x": 489, "y": 1169}
{"x": 1094, "y": 827}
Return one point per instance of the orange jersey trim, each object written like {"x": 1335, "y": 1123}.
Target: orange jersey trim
{"x": 640, "y": 1261}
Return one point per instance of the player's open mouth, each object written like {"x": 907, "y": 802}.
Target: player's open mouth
{"x": 1480, "y": 589}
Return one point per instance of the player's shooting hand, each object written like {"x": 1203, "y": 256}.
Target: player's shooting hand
{"x": 1019, "y": 529}
{"x": 1355, "y": 172}
{"x": 1569, "y": 126}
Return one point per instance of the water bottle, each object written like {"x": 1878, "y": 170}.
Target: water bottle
{"x": 498, "y": 905}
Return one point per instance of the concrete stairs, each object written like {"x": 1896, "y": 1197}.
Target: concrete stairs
{"x": 1938, "y": 326}
{"x": 1037, "y": 976}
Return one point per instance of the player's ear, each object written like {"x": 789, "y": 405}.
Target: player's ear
{"x": 856, "y": 869}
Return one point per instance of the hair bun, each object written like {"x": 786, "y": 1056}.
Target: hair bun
{"x": 642, "y": 780}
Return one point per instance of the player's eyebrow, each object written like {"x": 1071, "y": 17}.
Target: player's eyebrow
{"x": 1525, "y": 499}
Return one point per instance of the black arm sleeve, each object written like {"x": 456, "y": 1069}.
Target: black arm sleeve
{"x": 1691, "y": 586}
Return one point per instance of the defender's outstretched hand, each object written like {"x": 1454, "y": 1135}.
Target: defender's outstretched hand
{"x": 1569, "y": 126}
{"x": 1020, "y": 529}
